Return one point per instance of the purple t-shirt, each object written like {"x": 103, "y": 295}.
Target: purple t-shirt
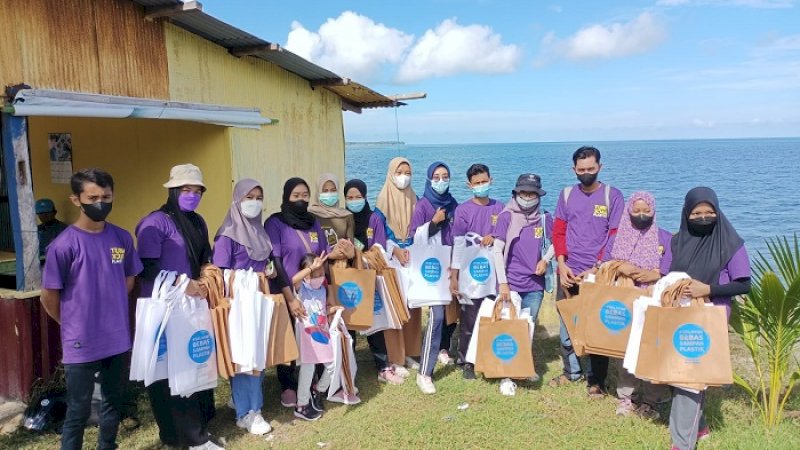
{"x": 90, "y": 270}
{"x": 157, "y": 237}
{"x": 423, "y": 213}
{"x": 524, "y": 253}
{"x": 472, "y": 217}
{"x": 376, "y": 231}
{"x": 588, "y": 223}
{"x": 230, "y": 254}
{"x": 288, "y": 245}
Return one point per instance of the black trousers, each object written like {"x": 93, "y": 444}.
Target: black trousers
{"x": 182, "y": 421}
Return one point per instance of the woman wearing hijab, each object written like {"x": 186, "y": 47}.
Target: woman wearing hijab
{"x": 522, "y": 248}
{"x": 336, "y": 222}
{"x": 396, "y": 202}
{"x": 435, "y": 208}
{"x": 295, "y": 232}
{"x": 369, "y": 230}
{"x": 242, "y": 243}
{"x": 175, "y": 238}
{"x": 645, "y": 250}
{"x": 709, "y": 249}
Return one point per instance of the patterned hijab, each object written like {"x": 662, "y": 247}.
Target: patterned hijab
{"x": 638, "y": 247}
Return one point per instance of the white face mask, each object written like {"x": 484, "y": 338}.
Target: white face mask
{"x": 251, "y": 208}
{"x": 527, "y": 203}
{"x": 401, "y": 181}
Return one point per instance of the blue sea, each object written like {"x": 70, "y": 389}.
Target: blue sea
{"x": 754, "y": 178}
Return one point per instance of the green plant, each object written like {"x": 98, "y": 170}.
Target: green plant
{"x": 768, "y": 322}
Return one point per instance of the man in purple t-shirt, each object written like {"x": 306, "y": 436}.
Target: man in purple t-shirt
{"x": 586, "y": 215}
{"x": 88, "y": 274}
{"x": 476, "y": 215}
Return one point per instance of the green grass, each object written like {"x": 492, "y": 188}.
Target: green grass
{"x": 401, "y": 417}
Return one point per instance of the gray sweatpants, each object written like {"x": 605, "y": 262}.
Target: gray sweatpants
{"x": 305, "y": 379}
{"x": 686, "y": 418}
{"x": 628, "y": 387}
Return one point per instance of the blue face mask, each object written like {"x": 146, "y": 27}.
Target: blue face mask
{"x": 481, "y": 191}
{"x": 356, "y": 205}
{"x": 440, "y": 186}
{"x": 329, "y": 198}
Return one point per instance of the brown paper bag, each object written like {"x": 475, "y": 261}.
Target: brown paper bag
{"x": 608, "y": 312}
{"x": 686, "y": 346}
{"x": 282, "y": 342}
{"x": 570, "y": 309}
{"x": 354, "y": 289}
{"x": 504, "y": 349}
{"x": 451, "y": 313}
{"x": 395, "y": 346}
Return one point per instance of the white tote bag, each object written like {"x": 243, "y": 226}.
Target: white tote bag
{"x": 382, "y": 314}
{"x": 191, "y": 355}
{"x": 429, "y": 270}
{"x": 161, "y": 310}
{"x": 149, "y": 315}
{"x": 342, "y": 354}
{"x": 477, "y": 278}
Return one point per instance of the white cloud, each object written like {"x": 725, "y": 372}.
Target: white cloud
{"x": 351, "y": 45}
{"x": 766, "y": 4}
{"x": 556, "y": 8}
{"x": 700, "y": 123}
{"x": 616, "y": 40}
{"x": 451, "y": 48}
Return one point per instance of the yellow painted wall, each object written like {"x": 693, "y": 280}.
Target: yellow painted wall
{"x": 139, "y": 154}
{"x": 309, "y": 138}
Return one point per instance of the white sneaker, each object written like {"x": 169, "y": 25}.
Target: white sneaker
{"x": 444, "y": 358}
{"x": 400, "y": 371}
{"x": 426, "y": 384}
{"x": 207, "y": 446}
{"x": 254, "y": 423}
{"x": 508, "y": 387}
{"x": 411, "y": 363}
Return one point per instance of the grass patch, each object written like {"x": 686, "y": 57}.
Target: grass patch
{"x": 401, "y": 417}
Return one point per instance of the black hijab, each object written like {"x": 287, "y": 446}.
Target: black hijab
{"x": 704, "y": 256}
{"x": 193, "y": 230}
{"x": 293, "y": 213}
{"x": 362, "y": 217}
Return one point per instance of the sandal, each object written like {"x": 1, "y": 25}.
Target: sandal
{"x": 595, "y": 391}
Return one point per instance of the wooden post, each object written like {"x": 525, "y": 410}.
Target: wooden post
{"x": 14, "y": 132}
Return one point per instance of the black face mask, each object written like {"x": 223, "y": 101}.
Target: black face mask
{"x": 96, "y": 211}
{"x": 587, "y": 179}
{"x": 642, "y": 221}
{"x": 702, "y": 226}
{"x": 299, "y": 207}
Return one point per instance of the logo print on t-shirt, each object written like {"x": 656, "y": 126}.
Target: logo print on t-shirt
{"x": 494, "y": 219}
{"x": 330, "y": 236}
{"x": 538, "y": 232}
{"x": 313, "y": 237}
{"x": 117, "y": 255}
{"x": 370, "y": 233}
{"x": 661, "y": 250}
{"x": 600, "y": 211}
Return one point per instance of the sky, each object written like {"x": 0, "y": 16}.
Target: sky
{"x": 533, "y": 71}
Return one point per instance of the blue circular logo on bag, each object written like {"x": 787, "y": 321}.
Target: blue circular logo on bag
{"x": 615, "y": 316}
{"x": 504, "y": 347}
{"x": 201, "y": 344}
{"x": 350, "y": 294}
{"x": 378, "y": 301}
{"x": 162, "y": 345}
{"x": 431, "y": 270}
{"x": 480, "y": 269}
{"x": 691, "y": 341}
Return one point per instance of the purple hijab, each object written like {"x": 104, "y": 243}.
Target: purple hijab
{"x": 638, "y": 247}
{"x": 246, "y": 232}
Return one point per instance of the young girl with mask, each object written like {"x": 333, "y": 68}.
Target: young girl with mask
{"x": 175, "y": 238}
{"x": 645, "y": 249}
{"x": 522, "y": 249}
{"x": 295, "y": 232}
{"x": 709, "y": 249}
{"x": 242, "y": 243}
{"x": 318, "y": 303}
{"x": 396, "y": 202}
{"x": 370, "y": 230}
{"x": 436, "y": 208}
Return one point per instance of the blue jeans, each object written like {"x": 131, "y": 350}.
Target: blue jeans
{"x": 532, "y": 301}
{"x": 80, "y": 387}
{"x": 247, "y": 394}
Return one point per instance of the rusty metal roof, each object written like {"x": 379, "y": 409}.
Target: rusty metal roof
{"x": 241, "y": 43}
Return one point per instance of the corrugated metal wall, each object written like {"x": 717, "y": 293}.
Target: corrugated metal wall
{"x": 99, "y": 46}
{"x": 308, "y": 140}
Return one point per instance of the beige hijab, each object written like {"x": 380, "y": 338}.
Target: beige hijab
{"x": 397, "y": 205}
{"x": 323, "y": 211}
